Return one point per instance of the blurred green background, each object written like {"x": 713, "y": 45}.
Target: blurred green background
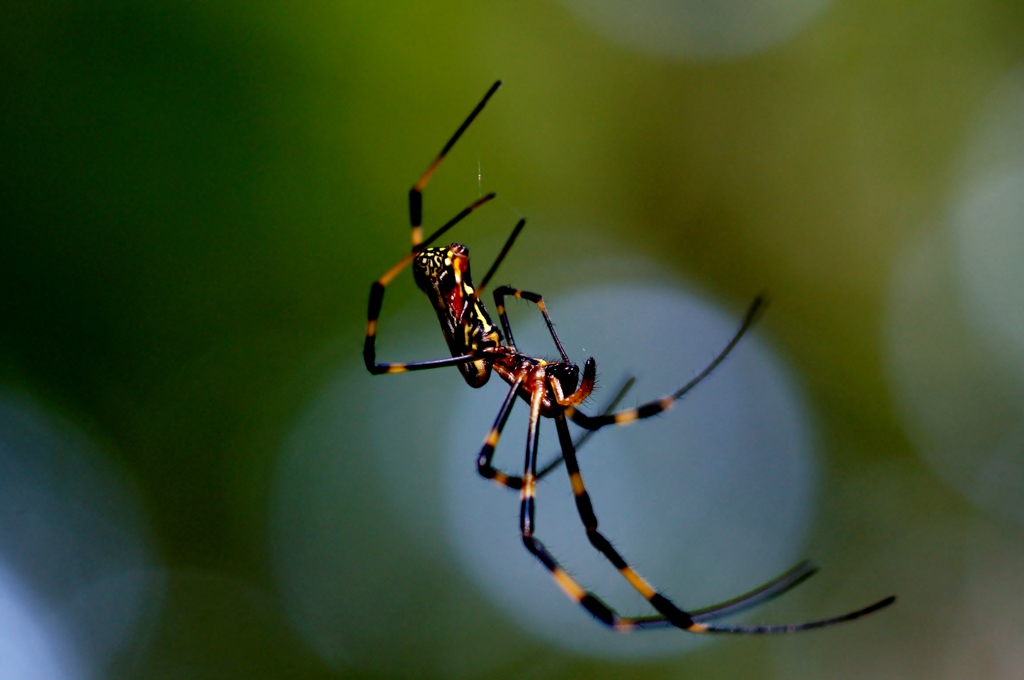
{"x": 195, "y": 198}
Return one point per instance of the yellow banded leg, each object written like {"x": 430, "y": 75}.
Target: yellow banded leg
{"x": 557, "y": 460}
{"x": 597, "y": 608}
{"x": 657, "y": 406}
{"x": 416, "y": 192}
{"x": 499, "y": 299}
{"x": 484, "y": 458}
{"x": 662, "y": 604}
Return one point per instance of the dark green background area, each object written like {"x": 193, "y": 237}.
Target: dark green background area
{"x": 194, "y": 198}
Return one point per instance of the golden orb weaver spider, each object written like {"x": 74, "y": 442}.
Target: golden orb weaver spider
{"x": 553, "y": 390}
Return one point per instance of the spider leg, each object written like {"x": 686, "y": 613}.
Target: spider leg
{"x": 499, "y": 299}
{"x": 377, "y": 300}
{"x": 769, "y": 591}
{"x": 416, "y": 193}
{"x": 797, "y": 627}
{"x": 587, "y": 434}
{"x": 418, "y": 243}
{"x": 657, "y": 406}
{"x": 597, "y": 608}
{"x": 699, "y": 621}
{"x": 501, "y": 256}
{"x": 483, "y": 459}
{"x": 668, "y": 610}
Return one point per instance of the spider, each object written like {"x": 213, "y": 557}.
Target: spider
{"x": 554, "y": 390}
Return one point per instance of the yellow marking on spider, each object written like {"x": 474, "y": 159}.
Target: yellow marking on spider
{"x": 371, "y": 328}
{"x": 667, "y": 403}
{"x": 492, "y": 438}
{"x": 457, "y": 268}
{"x": 501, "y": 479}
{"x": 501, "y": 310}
{"x": 397, "y": 368}
{"x": 697, "y": 628}
{"x": 626, "y": 416}
{"x": 570, "y": 412}
{"x": 417, "y": 236}
{"x": 624, "y": 626}
{"x": 567, "y": 584}
{"x": 577, "y": 484}
{"x": 637, "y": 581}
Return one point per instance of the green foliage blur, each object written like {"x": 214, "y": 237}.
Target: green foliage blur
{"x": 195, "y": 197}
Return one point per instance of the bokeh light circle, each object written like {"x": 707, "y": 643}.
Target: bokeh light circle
{"x": 364, "y": 579}
{"x": 962, "y": 409}
{"x": 393, "y": 555}
{"x": 698, "y": 29}
{"x": 73, "y": 531}
{"x": 31, "y": 646}
{"x": 955, "y": 325}
{"x": 707, "y": 501}
{"x": 988, "y": 223}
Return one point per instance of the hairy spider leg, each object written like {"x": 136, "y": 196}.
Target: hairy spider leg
{"x": 486, "y": 455}
{"x": 657, "y": 406}
{"x": 763, "y": 593}
{"x": 738, "y": 629}
{"x": 585, "y": 508}
{"x": 779, "y": 585}
{"x": 768, "y": 591}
